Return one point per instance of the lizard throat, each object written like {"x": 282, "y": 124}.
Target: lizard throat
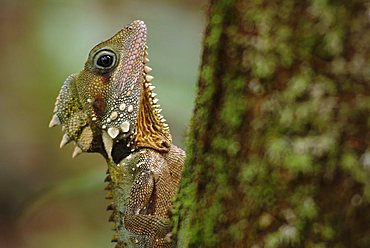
{"x": 151, "y": 129}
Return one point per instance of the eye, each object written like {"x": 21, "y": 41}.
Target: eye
{"x": 105, "y": 60}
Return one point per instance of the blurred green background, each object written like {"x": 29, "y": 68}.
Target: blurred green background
{"x": 48, "y": 199}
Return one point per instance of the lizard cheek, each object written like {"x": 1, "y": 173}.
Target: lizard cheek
{"x": 99, "y": 106}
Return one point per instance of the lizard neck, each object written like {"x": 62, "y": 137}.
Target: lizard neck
{"x": 151, "y": 129}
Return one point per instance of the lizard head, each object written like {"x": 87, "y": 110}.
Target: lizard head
{"x": 111, "y": 100}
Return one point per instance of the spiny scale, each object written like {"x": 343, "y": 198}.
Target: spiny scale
{"x": 147, "y": 69}
{"x": 149, "y": 78}
{"x": 108, "y": 186}
{"x": 109, "y": 195}
{"x": 110, "y": 207}
{"x": 65, "y": 140}
{"x": 77, "y": 151}
{"x": 115, "y": 238}
{"x": 108, "y": 178}
{"x": 112, "y": 217}
{"x": 152, "y": 95}
{"x": 54, "y": 121}
{"x": 114, "y": 228}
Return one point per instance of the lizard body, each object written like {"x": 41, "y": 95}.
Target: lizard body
{"x": 110, "y": 108}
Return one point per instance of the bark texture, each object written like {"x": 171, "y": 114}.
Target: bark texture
{"x": 278, "y": 149}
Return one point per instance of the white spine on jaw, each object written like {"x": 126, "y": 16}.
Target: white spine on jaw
{"x": 108, "y": 143}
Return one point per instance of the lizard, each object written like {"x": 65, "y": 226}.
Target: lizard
{"x": 110, "y": 108}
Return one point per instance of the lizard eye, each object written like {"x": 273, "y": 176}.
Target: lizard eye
{"x": 105, "y": 60}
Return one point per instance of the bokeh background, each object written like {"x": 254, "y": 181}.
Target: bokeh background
{"x": 48, "y": 199}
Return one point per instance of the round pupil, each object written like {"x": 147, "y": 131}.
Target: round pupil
{"x": 105, "y": 60}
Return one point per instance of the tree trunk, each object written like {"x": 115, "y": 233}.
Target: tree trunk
{"x": 278, "y": 152}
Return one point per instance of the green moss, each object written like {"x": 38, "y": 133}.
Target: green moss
{"x": 298, "y": 163}
{"x": 273, "y": 240}
{"x": 233, "y": 111}
{"x": 252, "y": 171}
{"x": 308, "y": 209}
{"x": 259, "y": 185}
{"x": 351, "y": 164}
{"x": 333, "y": 42}
{"x": 286, "y": 236}
{"x": 263, "y": 65}
{"x": 349, "y": 161}
{"x": 276, "y": 148}
{"x": 230, "y": 145}
{"x": 298, "y": 85}
{"x": 214, "y": 36}
{"x": 211, "y": 217}
{"x": 236, "y": 231}
{"x": 327, "y": 232}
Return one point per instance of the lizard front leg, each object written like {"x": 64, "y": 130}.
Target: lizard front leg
{"x": 140, "y": 217}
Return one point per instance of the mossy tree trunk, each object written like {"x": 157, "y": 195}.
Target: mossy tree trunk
{"x": 278, "y": 150}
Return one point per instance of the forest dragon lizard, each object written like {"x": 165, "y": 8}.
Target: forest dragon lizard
{"x": 110, "y": 108}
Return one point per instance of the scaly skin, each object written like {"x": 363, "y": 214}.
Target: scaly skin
{"x": 110, "y": 108}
